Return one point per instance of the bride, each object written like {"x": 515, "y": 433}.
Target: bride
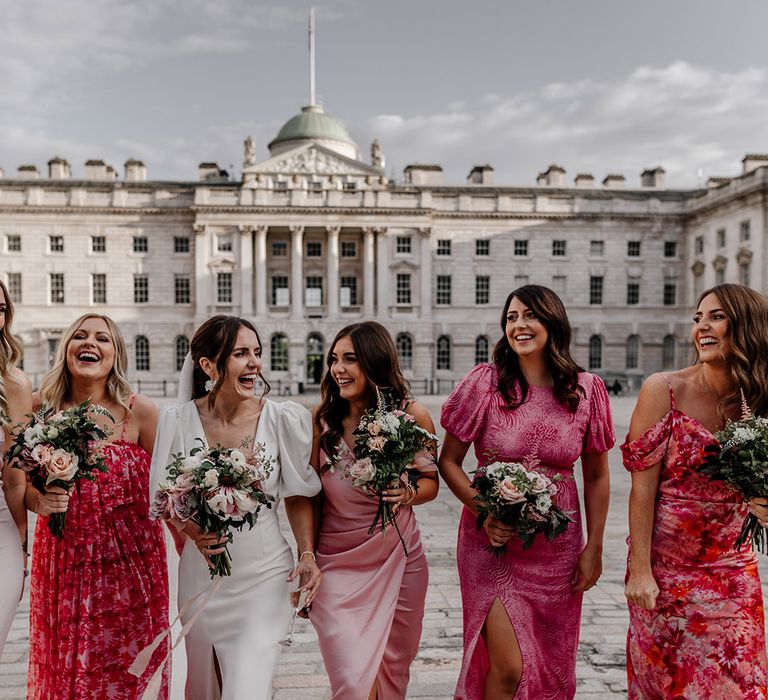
{"x": 233, "y": 646}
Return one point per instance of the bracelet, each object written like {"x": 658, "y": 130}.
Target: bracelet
{"x": 311, "y": 554}
{"x": 411, "y": 494}
{"x": 37, "y": 503}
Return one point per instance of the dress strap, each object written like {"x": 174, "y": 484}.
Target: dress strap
{"x": 127, "y": 414}
{"x": 671, "y": 393}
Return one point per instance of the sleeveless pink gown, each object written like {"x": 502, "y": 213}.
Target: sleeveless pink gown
{"x": 368, "y": 612}
{"x": 534, "y": 585}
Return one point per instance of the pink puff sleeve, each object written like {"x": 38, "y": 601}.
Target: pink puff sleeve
{"x": 600, "y": 436}
{"x": 650, "y": 447}
{"x": 464, "y": 412}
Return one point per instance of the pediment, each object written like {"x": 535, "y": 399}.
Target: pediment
{"x": 311, "y": 159}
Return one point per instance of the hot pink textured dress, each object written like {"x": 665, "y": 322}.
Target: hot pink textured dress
{"x": 100, "y": 594}
{"x": 705, "y": 637}
{"x": 534, "y": 585}
{"x": 370, "y": 605}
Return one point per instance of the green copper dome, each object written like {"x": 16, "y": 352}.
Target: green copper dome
{"x": 312, "y": 124}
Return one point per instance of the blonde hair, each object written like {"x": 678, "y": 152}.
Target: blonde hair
{"x": 56, "y": 384}
{"x": 11, "y": 349}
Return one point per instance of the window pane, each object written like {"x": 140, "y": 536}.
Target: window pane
{"x": 481, "y": 350}
{"x": 558, "y": 248}
{"x": 597, "y": 248}
{"x": 140, "y": 244}
{"x": 403, "y": 289}
{"x": 443, "y": 289}
{"x": 483, "y": 247}
{"x": 444, "y": 246}
{"x": 595, "y": 352}
{"x": 140, "y": 289}
{"x": 404, "y": 344}
{"x": 482, "y": 289}
{"x": 633, "y": 248}
{"x": 56, "y": 244}
{"x": 181, "y": 244}
{"x": 521, "y": 247}
{"x": 280, "y": 294}
{"x": 348, "y": 291}
{"x": 443, "y": 352}
{"x": 403, "y": 244}
{"x": 14, "y": 286}
{"x": 182, "y": 289}
{"x": 99, "y": 289}
{"x": 56, "y": 283}
{"x": 278, "y": 348}
{"x": 668, "y": 354}
{"x": 182, "y": 348}
{"x": 595, "y": 290}
{"x": 142, "y": 353}
{"x": 670, "y": 293}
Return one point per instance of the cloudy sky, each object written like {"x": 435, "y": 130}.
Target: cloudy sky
{"x": 595, "y": 86}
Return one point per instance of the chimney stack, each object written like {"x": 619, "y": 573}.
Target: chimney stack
{"x": 480, "y": 175}
{"x": 653, "y": 178}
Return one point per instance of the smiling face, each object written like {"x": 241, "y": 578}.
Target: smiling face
{"x": 243, "y": 365}
{"x": 91, "y": 350}
{"x": 346, "y": 370}
{"x": 526, "y": 334}
{"x": 711, "y": 330}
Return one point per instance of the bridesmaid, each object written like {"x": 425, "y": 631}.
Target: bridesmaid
{"x": 232, "y": 648}
{"x": 522, "y": 612}
{"x": 15, "y": 404}
{"x": 695, "y": 604}
{"x": 368, "y": 613}
{"x": 99, "y": 594}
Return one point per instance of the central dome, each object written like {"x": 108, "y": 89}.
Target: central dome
{"x": 313, "y": 125}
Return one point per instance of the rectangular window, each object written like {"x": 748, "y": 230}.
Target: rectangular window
{"x": 720, "y": 275}
{"x": 181, "y": 244}
{"x": 559, "y": 248}
{"x": 98, "y": 244}
{"x": 315, "y": 189}
{"x": 482, "y": 289}
{"x": 98, "y": 289}
{"x": 281, "y": 186}
{"x": 348, "y": 291}
{"x": 633, "y": 292}
{"x": 13, "y": 243}
{"x": 596, "y": 290}
{"x": 521, "y": 247}
{"x": 313, "y": 292}
{"x": 444, "y": 246}
{"x": 670, "y": 292}
{"x": 314, "y": 249}
{"x": 744, "y": 232}
{"x": 744, "y": 274}
{"x": 403, "y": 289}
{"x": 403, "y": 244}
{"x": 279, "y": 249}
{"x": 597, "y": 249}
{"x": 483, "y": 247}
{"x": 280, "y": 294}
{"x": 348, "y": 249}
{"x": 140, "y": 289}
{"x": 223, "y": 287}
{"x": 721, "y": 238}
{"x": 633, "y": 249}
{"x": 55, "y": 244}
{"x": 140, "y": 244}
{"x": 670, "y": 249}
{"x": 14, "y": 286}
{"x": 56, "y": 284}
{"x": 224, "y": 244}
{"x": 443, "y": 290}
{"x": 182, "y": 293}
{"x": 350, "y": 187}
{"x": 559, "y": 284}
{"x": 520, "y": 281}
{"x": 698, "y": 245}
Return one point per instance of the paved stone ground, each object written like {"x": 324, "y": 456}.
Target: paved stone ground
{"x": 300, "y": 674}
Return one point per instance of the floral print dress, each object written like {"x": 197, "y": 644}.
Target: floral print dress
{"x": 704, "y": 640}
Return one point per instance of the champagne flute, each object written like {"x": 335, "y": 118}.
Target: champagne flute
{"x": 300, "y": 600}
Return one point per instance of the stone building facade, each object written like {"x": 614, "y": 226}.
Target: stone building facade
{"x": 315, "y": 238}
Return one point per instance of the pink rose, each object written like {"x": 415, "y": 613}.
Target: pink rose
{"x": 377, "y": 443}
{"x": 362, "y": 471}
{"x": 374, "y": 427}
{"x": 509, "y": 492}
{"x": 182, "y": 504}
{"x": 41, "y": 453}
{"x": 62, "y": 466}
{"x": 161, "y": 505}
{"x": 539, "y": 484}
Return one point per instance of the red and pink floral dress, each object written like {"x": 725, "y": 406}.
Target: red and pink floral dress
{"x": 705, "y": 637}
{"x": 100, "y": 594}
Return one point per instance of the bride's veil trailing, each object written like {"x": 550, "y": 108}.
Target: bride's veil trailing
{"x": 186, "y": 380}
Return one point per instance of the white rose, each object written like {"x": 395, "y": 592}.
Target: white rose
{"x": 509, "y": 492}
{"x": 211, "y": 479}
{"x": 543, "y": 503}
{"x": 362, "y": 471}
{"x": 33, "y": 435}
{"x": 391, "y": 423}
{"x": 191, "y": 463}
{"x": 237, "y": 458}
{"x": 218, "y": 503}
{"x": 244, "y": 501}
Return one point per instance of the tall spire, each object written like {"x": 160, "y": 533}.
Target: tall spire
{"x": 311, "y": 56}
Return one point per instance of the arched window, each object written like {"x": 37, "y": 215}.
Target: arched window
{"x": 443, "y": 352}
{"x": 668, "y": 352}
{"x": 633, "y": 351}
{"x": 278, "y": 353}
{"x": 481, "y": 349}
{"x": 404, "y": 345}
{"x": 315, "y": 358}
{"x": 182, "y": 348}
{"x": 595, "y": 352}
{"x": 142, "y": 353}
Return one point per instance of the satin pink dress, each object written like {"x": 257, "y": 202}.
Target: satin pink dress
{"x": 369, "y": 609}
{"x": 534, "y": 585}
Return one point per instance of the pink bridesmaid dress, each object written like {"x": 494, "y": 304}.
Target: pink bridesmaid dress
{"x": 534, "y": 585}
{"x": 368, "y": 612}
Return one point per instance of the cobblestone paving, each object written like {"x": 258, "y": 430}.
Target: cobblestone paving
{"x": 300, "y": 674}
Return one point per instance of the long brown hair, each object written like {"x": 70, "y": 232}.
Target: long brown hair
{"x": 747, "y": 313}
{"x": 10, "y": 348}
{"x": 377, "y": 357}
{"x": 548, "y": 308}
{"x": 215, "y": 339}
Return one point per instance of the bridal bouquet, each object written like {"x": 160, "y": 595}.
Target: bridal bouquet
{"x": 58, "y": 448}
{"x": 520, "y": 498}
{"x": 386, "y": 445}
{"x": 740, "y": 459}
{"x": 221, "y": 489}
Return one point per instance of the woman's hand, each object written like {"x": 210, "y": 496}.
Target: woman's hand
{"x": 208, "y": 543}
{"x": 641, "y": 589}
{"x": 498, "y": 533}
{"x": 398, "y": 493}
{"x": 308, "y": 573}
{"x": 759, "y": 508}
{"x": 588, "y": 569}
{"x": 54, "y": 500}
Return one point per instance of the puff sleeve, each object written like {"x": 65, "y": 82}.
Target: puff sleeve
{"x": 294, "y": 436}
{"x": 599, "y": 436}
{"x": 649, "y": 448}
{"x": 464, "y": 412}
{"x": 167, "y": 442}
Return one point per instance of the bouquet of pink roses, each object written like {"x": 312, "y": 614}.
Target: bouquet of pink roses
{"x": 58, "y": 448}
{"x": 221, "y": 489}
{"x": 520, "y": 498}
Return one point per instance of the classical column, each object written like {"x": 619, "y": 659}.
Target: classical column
{"x": 382, "y": 274}
{"x": 332, "y": 260}
{"x": 426, "y": 273}
{"x": 246, "y": 270}
{"x": 261, "y": 272}
{"x": 201, "y": 271}
{"x": 297, "y": 272}
{"x": 369, "y": 272}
